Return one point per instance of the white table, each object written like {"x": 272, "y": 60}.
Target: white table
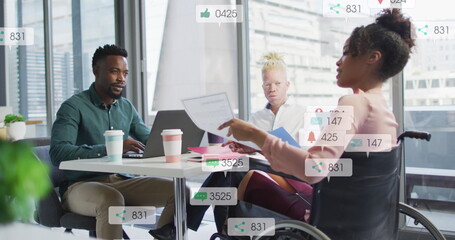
{"x": 156, "y": 167}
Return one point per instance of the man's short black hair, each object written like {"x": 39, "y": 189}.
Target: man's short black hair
{"x": 107, "y": 50}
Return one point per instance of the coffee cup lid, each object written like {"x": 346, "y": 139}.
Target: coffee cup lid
{"x": 113, "y": 132}
{"x": 171, "y": 132}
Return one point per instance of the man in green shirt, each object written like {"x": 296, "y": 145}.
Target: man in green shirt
{"x": 78, "y": 133}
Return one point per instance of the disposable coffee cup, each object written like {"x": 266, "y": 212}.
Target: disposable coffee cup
{"x": 172, "y": 144}
{"x": 114, "y": 145}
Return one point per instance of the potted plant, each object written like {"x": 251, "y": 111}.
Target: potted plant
{"x": 16, "y": 126}
{"x": 3, "y": 134}
{"x": 23, "y": 179}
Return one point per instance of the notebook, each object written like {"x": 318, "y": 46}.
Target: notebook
{"x": 169, "y": 119}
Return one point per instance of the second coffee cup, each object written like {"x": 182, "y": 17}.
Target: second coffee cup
{"x": 114, "y": 145}
{"x": 172, "y": 144}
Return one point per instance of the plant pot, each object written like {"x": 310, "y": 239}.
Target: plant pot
{"x": 3, "y": 134}
{"x": 16, "y": 131}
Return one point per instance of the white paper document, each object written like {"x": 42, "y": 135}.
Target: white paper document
{"x": 209, "y": 112}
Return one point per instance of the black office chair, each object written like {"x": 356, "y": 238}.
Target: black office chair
{"x": 49, "y": 210}
{"x": 364, "y": 206}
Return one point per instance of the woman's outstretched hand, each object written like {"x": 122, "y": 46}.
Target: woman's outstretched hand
{"x": 240, "y": 148}
{"x": 244, "y": 131}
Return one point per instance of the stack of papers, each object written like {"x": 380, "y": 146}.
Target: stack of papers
{"x": 209, "y": 112}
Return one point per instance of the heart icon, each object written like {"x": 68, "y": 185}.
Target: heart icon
{"x": 380, "y": 1}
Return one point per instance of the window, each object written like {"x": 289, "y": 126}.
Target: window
{"x": 310, "y": 43}
{"x": 156, "y": 12}
{"x": 74, "y": 51}
{"x": 25, "y": 64}
{"x": 421, "y": 102}
{"x": 409, "y": 84}
{"x": 450, "y": 82}
{"x": 422, "y": 84}
{"x": 311, "y": 52}
{"x": 435, "y": 83}
{"x": 433, "y": 113}
{"x": 73, "y": 48}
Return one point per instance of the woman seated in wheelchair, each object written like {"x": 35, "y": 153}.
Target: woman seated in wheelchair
{"x": 371, "y": 55}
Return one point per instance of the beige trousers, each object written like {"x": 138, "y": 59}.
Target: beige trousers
{"x": 94, "y": 198}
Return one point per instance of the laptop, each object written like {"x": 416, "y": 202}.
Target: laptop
{"x": 169, "y": 119}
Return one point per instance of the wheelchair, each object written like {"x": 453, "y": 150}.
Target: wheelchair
{"x": 339, "y": 209}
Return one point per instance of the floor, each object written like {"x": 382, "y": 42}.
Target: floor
{"x": 204, "y": 232}
{"x": 444, "y": 221}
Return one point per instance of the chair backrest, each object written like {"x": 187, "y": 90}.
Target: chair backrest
{"x": 364, "y": 206}
{"x": 49, "y": 209}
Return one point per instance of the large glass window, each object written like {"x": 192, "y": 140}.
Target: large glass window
{"x": 78, "y": 28}
{"x": 77, "y": 35}
{"x": 450, "y": 82}
{"x": 310, "y": 43}
{"x": 25, "y": 64}
{"x": 430, "y": 107}
{"x": 435, "y": 83}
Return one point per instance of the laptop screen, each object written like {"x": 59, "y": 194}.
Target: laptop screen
{"x": 171, "y": 119}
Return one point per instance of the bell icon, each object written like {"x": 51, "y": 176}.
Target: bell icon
{"x": 311, "y": 137}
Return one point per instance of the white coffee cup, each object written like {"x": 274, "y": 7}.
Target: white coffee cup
{"x": 172, "y": 144}
{"x": 114, "y": 145}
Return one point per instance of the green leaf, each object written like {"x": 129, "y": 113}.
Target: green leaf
{"x": 23, "y": 179}
{"x": 12, "y": 118}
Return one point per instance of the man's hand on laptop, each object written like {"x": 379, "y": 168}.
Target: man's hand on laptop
{"x": 132, "y": 145}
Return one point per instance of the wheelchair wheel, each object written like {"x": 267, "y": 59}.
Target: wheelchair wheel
{"x": 292, "y": 230}
{"x": 420, "y": 218}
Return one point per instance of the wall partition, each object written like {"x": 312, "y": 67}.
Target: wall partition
{"x": 186, "y": 58}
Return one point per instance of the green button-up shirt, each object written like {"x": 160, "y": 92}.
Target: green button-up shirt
{"x": 81, "y": 122}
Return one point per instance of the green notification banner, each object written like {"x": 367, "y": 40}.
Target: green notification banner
{"x": 330, "y": 167}
{"x": 336, "y": 121}
{"x": 17, "y": 36}
{"x": 226, "y": 196}
{"x": 132, "y": 215}
{"x": 435, "y": 30}
{"x": 369, "y": 143}
{"x": 219, "y": 13}
{"x": 225, "y": 162}
{"x": 250, "y": 226}
{"x": 345, "y": 8}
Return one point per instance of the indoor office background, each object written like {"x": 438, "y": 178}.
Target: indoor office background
{"x": 172, "y": 57}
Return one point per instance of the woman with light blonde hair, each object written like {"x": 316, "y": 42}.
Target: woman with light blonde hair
{"x": 277, "y": 113}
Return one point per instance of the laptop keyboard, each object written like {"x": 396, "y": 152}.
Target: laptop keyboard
{"x": 133, "y": 155}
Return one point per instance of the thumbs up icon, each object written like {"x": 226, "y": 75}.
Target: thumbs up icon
{"x": 205, "y": 14}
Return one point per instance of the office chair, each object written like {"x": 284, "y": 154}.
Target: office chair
{"x": 49, "y": 210}
{"x": 364, "y": 206}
